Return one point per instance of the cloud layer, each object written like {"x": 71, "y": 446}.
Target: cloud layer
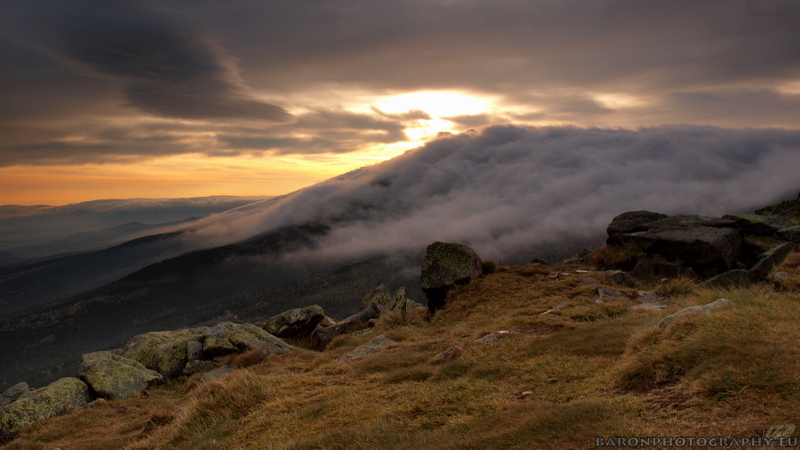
{"x": 510, "y": 191}
{"x": 94, "y": 80}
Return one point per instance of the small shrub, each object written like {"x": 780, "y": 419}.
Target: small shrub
{"x": 489, "y": 266}
{"x": 676, "y": 287}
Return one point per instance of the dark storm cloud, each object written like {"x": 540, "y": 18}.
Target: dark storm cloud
{"x": 166, "y": 69}
{"x": 508, "y": 190}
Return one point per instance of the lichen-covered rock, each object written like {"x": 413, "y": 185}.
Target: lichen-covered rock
{"x": 229, "y": 337}
{"x": 447, "y": 355}
{"x": 13, "y": 393}
{"x": 294, "y": 322}
{"x": 163, "y": 351}
{"x": 115, "y": 377}
{"x": 768, "y": 260}
{"x": 716, "y": 305}
{"x": 39, "y": 405}
{"x": 379, "y": 296}
{"x": 358, "y": 321}
{"x": 444, "y": 266}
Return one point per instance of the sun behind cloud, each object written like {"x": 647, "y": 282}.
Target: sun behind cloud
{"x": 438, "y": 105}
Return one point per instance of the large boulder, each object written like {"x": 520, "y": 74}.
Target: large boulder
{"x": 39, "y": 405}
{"x": 229, "y": 337}
{"x": 163, "y": 351}
{"x": 115, "y": 377}
{"x": 444, "y": 266}
{"x": 294, "y": 322}
{"x": 706, "y": 244}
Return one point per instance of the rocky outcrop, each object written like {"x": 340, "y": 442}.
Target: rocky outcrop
{"x": 706, "y": 244}
{"x": 115, "y": 377}
{"x": 294, "y": 323}
{"x": 39, "y": 405}
{"x": 358, "y": 321}
{"x": 446, "y": 265}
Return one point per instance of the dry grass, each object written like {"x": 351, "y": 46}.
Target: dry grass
{"x": 562, "y": 378}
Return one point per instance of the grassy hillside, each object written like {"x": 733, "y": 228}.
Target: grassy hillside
{"x": 562, "y": 377}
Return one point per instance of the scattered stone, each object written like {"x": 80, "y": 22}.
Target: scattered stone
{"x": 445, "y": 266}
{"x": 42, "y": 404}
{"x": 491, "y": 338}
{"x": 294, "y": 322}
{"x": 216, "y": 373}
{"x": 716, "y": 305}
{"x": 447, "y": 355}
{"x": 374, "y": 346}
{"x": 115, "y": 377}
{"x": 780, "y": 431}
{"x": 782, "y": 208}
{"x": 525, "y": 394}
{"x": 580, "y": 258}
{"x": 621, "y": 277}
{"x": 358, "y": 321}
{"x": 779, "y": 280}
{"x": 731, "y": 278}
{"x": 363, "y": 332}
{"x": 606, "y": 292}
{"x": 768, "y": 260}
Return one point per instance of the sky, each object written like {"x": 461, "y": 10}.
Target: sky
{"x": 145, "y": 98}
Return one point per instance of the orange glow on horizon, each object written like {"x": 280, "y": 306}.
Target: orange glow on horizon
{"x": 170, "y": 177}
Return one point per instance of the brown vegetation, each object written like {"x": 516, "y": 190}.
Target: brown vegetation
{"x": 565, "y": 376}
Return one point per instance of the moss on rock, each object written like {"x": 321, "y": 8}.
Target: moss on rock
{"x": 39, "y": 405}
{"x": 113, "y": 376}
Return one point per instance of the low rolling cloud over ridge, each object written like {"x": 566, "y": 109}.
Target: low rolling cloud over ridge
{"x": 509, "y": 190}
